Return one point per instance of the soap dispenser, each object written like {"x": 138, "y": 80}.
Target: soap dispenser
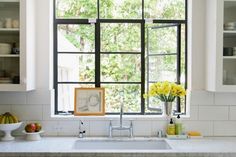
{"x": 171, "y": 127}
{"x": 178, "y": 126}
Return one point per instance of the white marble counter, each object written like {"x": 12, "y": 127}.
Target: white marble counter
{"x": 222, "y": 147}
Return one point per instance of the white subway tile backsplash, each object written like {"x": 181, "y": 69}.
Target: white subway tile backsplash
{"x": 50, "y": 128}
{"x": 213, "y": 113}
{"x": 157, "y": 126}
{"x": 202, "y": 98}
{"x": 225, "y": 128}
{"x": 232, "y": 113}
{"x": 142, "y": 128}
{"x": 99, "y": 128}
{"x": 28, "y": 112}
{"x": 68, "y": 128}
{"x": 5, "y": 108}
{"x": 225, "y": 98}
{"x": 205, "y": 127}
{"x": 38, "y": 97}
{"x": 12, "y": 98}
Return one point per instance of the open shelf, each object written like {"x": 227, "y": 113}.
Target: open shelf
{"x": 9, "y": 1}
{"x": 10, "y": 55}
{"x": 229, "y": 33}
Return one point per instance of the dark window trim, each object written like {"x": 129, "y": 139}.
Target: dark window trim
{"x": 97, "y": 52}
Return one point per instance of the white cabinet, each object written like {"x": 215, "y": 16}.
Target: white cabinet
{"x": 220, "y": 42}
{"x": 17, "y": 45}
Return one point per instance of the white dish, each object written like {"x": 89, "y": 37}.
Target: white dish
{"x": 33, "y": 136}
{"x": 7, "y": 129}
{"x": 5, "y": 48}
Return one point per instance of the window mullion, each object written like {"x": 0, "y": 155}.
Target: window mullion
{"x": 142, "y": 66}
{"x": 178, "y": 108}
{"x": 97, "y": 53}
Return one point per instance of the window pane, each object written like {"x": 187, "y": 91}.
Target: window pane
{"x": 76, "y": 68}
{"x": 183, "y": 64}
{"x": 116, "y": 94}
{"x": 164, "y": 9}
{"x": 66, "y": 95}
{"x": 76, "y": 9}
{"x": 162, "y": 68}
{"x": 76, "y": 38}
{"x": 162, "y": 39}
{"x": 121, "y": 9}
{"x": 120, "y": 67}
{"x": 120, "y": 37}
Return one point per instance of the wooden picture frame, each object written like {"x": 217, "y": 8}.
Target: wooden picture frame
{"x": 89, "y": 102}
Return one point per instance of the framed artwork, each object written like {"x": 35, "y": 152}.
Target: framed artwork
{"x": 89, "y": 101}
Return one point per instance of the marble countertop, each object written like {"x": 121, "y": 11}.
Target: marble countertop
{"x": 65, "y": 145}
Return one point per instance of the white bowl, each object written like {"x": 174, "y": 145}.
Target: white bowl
{"x": 5, "y": 48}
{"x": 7, "y": 129}
{"x": 33, "y": 136}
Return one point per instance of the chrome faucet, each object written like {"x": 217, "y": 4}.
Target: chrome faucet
{"x": 121, "y": 127}
{"x": 81, "y": 132}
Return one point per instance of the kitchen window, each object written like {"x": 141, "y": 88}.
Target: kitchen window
{"x": 122, "y": 45}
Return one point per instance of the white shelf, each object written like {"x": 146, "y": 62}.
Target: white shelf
{"x": 9, "y": 1}
{"x": 10, "y": 55}
{"x": 9, "y": 29}
{"x": 229, "y": 33}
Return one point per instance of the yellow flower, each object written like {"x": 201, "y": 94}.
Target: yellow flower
{"x": 166, "y": 91}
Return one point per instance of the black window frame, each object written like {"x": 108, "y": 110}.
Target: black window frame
{"x": 58, "y": 21}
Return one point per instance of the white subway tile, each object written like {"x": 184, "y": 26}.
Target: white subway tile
{"x": 142, "y": 128}
{"x": 99, "y": 128}
{"x": 47, "y": 112}
{"x": 225, "y": 99}
{"x": 28, "y": 112}
{"x": 5, "y": 108}
{"x": 71, "y": 128}
{"x": 225, "y": 128}
{"x": 50, "y": 128}
{"x": 12, "y": 98}
{"x": 157, "y": 126}
{"x": 232, "y": 113}
{"x": 205, "y": 127}
{"x": 213, "y": 113}
{"x": 193, "y": 113}
{"x": 201, "y": 98}
{"x": 38, "y": 97}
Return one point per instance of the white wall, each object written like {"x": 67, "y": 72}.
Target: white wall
{"x": 211, "y": 113}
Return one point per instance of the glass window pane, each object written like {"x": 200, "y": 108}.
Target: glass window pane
{"x": 76, "y": 38}
{"x": 76, "y": 9}
{"x": 183, "y": 63}
{"x": 121, "y": 9}
{"x": 116, "y": 94}
{"x": 162, "y": 68}
{"x": 66, "y": 95}
{"x": 119, "y": 37}
{"x": 76, "y": 68}
{"x": 162, "y": 39}
{"x": 120, "y": 68}
{"x": 164, "y": 9}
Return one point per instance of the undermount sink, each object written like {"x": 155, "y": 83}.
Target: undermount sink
{"x": 121, "y": 145}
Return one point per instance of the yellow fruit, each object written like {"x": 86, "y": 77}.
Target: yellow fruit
{"x": 3, "y": 120}
{"x": 10, "y": 119}
{"x": 15, "y": 119}
{"x": 6, "y": 120}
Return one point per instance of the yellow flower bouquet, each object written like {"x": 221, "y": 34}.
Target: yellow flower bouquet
{"x": 166, "y": 91}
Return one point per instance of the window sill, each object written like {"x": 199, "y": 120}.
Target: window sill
{"x": 113, "y": 117}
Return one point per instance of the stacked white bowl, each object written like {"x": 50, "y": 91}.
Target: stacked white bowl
{"x": 5, "y": 48}
{"x": 230, "y": 26}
